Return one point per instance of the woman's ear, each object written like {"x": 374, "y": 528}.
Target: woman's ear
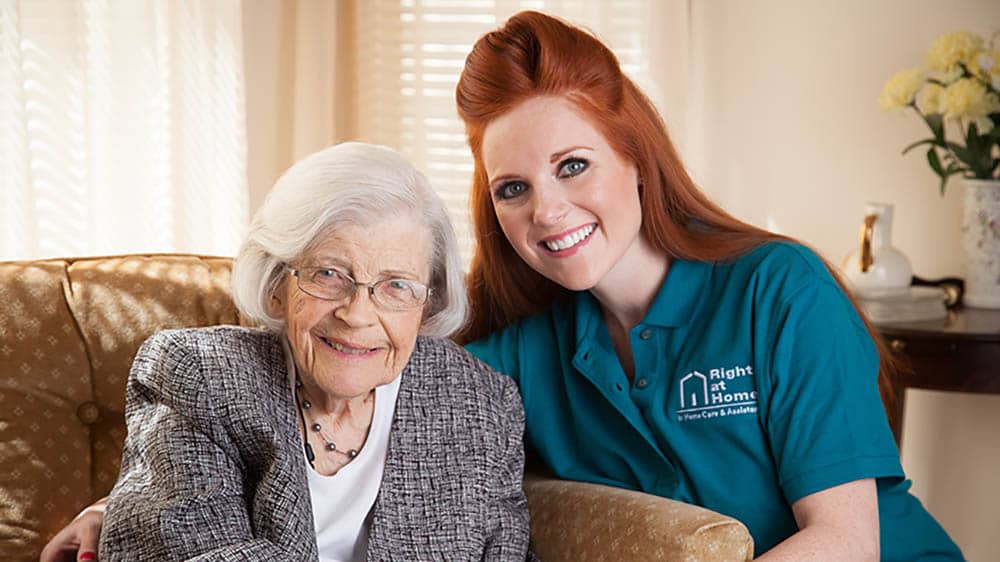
{"x": 276, "y": 303}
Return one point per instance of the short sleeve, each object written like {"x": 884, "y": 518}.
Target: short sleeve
{"x": 825, "y": 419}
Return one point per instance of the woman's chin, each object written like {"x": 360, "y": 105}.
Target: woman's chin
{"x": 351, "y": 381}
{"x": 348, "y": 392}
{"x": 573, "y": 279}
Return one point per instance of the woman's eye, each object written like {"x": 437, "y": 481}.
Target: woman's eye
{"x": 572, "y": 167}
{"x": 328, "y": 276}
{"x": 398, "y": 284}
{"x": 510, "y": 190}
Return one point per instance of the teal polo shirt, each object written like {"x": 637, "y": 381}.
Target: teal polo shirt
{"x": 755, "y": 385}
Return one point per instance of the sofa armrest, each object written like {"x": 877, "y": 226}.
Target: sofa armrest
{"x": 575, "y": 521}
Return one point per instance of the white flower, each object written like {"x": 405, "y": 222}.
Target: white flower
{"x": 951, "y": 49}
{"x": 948, "y": 76}
{"x": 900, "y": 90}
{"x": 985, "y": 62}
{"x": 969, "y": 99}
{"x": 930, "y": 98}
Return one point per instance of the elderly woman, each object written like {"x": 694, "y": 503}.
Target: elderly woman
{"x": 347, "y": 428}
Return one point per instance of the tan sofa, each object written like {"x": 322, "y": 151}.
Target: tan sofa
{"x": 68, "y": 331}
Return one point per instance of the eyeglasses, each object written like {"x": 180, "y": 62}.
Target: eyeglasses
{"x": 332, "y": 284}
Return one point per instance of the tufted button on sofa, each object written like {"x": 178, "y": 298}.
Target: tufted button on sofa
{"x": 69, "y": 329}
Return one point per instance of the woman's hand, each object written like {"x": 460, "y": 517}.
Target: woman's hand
{"x": 78, "y": 540}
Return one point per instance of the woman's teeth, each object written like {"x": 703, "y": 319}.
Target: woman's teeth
{"x": 570, "y": 240}
{"x": 344, "y": 349}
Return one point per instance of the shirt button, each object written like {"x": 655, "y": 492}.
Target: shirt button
{"x": 646, "y": 334}
{"x": 641, "y": 383}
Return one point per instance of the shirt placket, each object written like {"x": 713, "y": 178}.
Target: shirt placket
{"x": 604, "y": 371}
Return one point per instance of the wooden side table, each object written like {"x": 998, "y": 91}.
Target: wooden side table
{"x": 958, "y": 353}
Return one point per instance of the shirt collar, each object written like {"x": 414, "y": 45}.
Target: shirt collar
{"x": 683, "y": 288}
{"x": 672, "y": 307}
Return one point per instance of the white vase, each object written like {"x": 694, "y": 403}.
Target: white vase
{"x": 981, "y": 243}
{"x": 875, "y": 267}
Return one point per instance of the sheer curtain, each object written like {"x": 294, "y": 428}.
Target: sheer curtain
{"x": 122, "y": 127}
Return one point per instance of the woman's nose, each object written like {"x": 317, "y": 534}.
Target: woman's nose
{"x": 550, "y": 206}
{"x": 359, "y": 309}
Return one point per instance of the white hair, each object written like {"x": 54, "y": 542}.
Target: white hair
{"x": 353, "y": 183}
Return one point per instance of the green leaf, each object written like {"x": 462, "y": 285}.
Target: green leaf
{"x": 918, "y": 143}
{"x": 977, "y": 152}
{"x": 935, "y": 162}
{"x": 944, "y": 180}
{"x": 960, "y": 152}
{"x": 943, "y": 174}
{"x": 972, "y": 137}
{"x": 936, "y": 123}
{"x": 995, "y": 133}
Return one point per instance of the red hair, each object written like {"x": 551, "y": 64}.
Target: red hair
{"x": 532, "y": 55}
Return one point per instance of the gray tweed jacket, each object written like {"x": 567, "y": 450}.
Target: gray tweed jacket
{"x": 213, "y": 467}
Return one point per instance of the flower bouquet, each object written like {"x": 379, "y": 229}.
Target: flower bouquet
{"x": 956, "y": 93}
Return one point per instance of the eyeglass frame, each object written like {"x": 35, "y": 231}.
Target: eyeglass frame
{"x": 354, "y": 287}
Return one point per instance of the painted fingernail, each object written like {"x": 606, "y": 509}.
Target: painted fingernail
{"x": 87, "y": 556}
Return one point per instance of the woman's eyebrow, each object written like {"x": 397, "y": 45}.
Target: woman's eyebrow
{"x": 348, "y": 267}
{"x": 558, "y": 155}
{"x": 324, "y": 260}
{"x": 390, "y": 273}
{"x": 502, "y": 178}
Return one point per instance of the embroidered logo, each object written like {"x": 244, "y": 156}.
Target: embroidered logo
{"x": 721, "y": 393}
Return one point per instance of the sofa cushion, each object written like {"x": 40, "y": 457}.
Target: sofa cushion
{"x": 68, "y": 332}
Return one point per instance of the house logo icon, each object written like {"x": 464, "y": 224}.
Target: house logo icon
{"x": 694, "y": 390}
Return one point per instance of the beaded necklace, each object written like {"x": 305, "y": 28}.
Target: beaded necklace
{"x": 328, "y": 445}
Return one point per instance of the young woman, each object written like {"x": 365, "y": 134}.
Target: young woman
{"x": 659, "y": 343}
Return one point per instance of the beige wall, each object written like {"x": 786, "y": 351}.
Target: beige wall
{"x": 785, "y": 132}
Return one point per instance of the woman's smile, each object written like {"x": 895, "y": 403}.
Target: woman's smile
{"x": 351, "y": 350}
{"x": 568, "y": 243}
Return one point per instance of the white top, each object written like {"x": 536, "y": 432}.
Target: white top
{"x": 342, "y": 503}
